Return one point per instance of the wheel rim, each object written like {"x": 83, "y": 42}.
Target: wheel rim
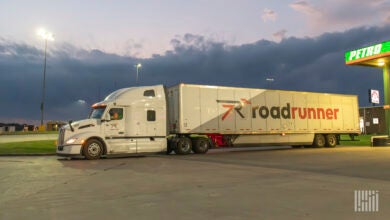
{"x": 94, "y": 149}
{"x": 203, "y": 145}
{"x": 332, "y": 141}
{"x": 320, "y": 141}
{"x": 184, "y": 145}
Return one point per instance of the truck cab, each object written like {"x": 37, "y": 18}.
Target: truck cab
{"x": 128, "y": 121}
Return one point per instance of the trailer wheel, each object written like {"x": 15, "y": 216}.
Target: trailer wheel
{"x": 92, "y": 149}
{"x": 201, "y": 145}
{"x": 319, "y": 140}
{"x": 183, "y": 146}
{"x": 331, "y": 140}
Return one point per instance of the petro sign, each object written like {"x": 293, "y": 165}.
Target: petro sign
{"x": 365, "y": 53}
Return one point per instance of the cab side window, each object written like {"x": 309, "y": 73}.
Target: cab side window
{"x": 116, "y": 113}
{"x": 149, "y": 93}
{"x": 151, "y": 115}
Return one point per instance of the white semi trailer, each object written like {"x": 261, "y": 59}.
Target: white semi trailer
{"x": 193, "y": 118}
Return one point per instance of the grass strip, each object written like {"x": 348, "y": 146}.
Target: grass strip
{"x": 28, "y": 132}
{"x": 28, "y": 147}
{"x": 361, "y": 140}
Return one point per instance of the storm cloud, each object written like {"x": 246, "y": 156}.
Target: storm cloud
{"x": 77, "y": 78}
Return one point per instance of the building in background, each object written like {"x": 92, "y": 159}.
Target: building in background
{"x": 372, "y": 120}
{"x": 6, "y": 129}
{"x": 54, "y": 125}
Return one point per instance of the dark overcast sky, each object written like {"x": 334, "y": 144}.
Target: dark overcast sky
{"x": 74, "y": 74}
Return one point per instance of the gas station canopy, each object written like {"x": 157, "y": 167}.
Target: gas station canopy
{"x": 375, "y": 56}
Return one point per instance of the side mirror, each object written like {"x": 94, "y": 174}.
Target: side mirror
{"x": 70, "y": 125}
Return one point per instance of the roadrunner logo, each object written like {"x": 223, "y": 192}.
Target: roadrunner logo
{"x": 277, "y": 112}
{"x": 231, "y": 105}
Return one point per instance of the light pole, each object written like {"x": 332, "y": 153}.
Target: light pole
{"x": 137, "y": 67}
{"x": 270, "y": 80}
{"x": 46, "y": 36}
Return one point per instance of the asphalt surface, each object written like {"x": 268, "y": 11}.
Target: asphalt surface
{"x": 278, "y": 183}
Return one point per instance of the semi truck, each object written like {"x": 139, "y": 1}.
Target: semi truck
{"x": 190, "y": 118}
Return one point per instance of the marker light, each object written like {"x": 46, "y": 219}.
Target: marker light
{"x": 98, "y": 105}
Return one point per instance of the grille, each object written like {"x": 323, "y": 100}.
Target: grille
{"x": 61, "y": 137}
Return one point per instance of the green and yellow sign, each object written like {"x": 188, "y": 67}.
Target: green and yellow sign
{"x": 368, "y": 53}
{"x": 378, "y": 56}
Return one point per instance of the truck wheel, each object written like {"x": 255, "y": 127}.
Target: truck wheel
{"x": 183, "y": 146}
{"x": 331, "y": 140}
{"x": 93, "y": 149}
{"x": 319, "y": 140}
{"x": 201, "y": 145}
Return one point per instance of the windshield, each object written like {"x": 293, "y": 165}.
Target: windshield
{"x": 97, "y": 113}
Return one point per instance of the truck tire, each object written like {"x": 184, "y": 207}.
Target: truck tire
{"x": 92, "y": 149}
{"x": 200, "y": 145}
{"x": 183, "y": 146}
{"x": 319, "y": 141}
{"x": 331, "y": 140}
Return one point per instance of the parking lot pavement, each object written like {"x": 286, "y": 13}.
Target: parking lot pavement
{"x": 279, "y": 183}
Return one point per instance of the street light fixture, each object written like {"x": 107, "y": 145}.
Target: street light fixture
{"x": 137, "y": 67}
{"x": 270, "y": 81}
{"x": 46, "y": 36}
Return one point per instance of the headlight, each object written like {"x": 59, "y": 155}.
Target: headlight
{"x": 71, "y": 141}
